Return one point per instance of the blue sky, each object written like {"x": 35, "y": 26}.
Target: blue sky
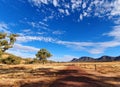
{"x": 66, "y": 28}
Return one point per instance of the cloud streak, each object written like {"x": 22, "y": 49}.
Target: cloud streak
{"x": 4, "y": 27}
{"x": 25, "y": 48}
{"x": 23, "y": 51}
{"x": 34, "y": 38}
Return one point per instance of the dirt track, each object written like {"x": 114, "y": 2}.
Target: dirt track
{"x": 69, "y": 76}
{"x": 74, "y": 77}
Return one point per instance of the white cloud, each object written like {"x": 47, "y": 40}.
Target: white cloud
{"x": 48, "y": 17}
{"x": 116, "y": 8}
{"x": 25, "y": 48}
{"x": 76, "y": 4}
{"x": 76, "y": 43}
{"x": 43, "y": 24}
{"x": 67, "y": 12}
{"x": 34, "y": 38}
{"x": 44, "y": 1}
{"x": 39, "y": 25}
{"x": 35, "y": 2}
{"x": 55, "y": 3}
{"x": 84, "y": 5}
{"x": 81, "y": 17}
{"x": 85, "y": 14}
{"x": 40, "y": 33}
{"x": 38, "y": 2}
{"x": 4, "y": 27}
{"x": 113, "y": 43}
{"x": 117, "y": 21}
{"x": 67, "y": 6}
{"x": 23, "y": 51}
{"x": 58, "y": 32}
{"x": 102, "y": 46}
{"x": 26, "y": 30}
{"x": 115, "y": 32}
{"x": 61, "y": 11}
{"x": 96, "y": 50}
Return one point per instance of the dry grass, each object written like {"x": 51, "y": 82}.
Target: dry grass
{"x": 43, "y": 75}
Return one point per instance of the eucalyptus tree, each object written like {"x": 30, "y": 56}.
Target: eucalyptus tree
{"x": 6, "y": 41}
{"x": 43, "y": 54}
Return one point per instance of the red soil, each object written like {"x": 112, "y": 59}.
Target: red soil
{"x": 72, "y": 76}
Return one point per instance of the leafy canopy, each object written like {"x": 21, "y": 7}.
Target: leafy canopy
{"x": 43, "y": 54}
{"x": 6, "y": 41}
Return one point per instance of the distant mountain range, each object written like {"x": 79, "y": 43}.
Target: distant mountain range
{"x": 101, "y": 59}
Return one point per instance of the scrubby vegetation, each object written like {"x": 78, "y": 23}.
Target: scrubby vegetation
{"x": 11, "y": 60}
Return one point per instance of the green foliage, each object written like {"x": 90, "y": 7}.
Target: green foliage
{"x": 42, "y": 55}
{"x": 3, "y": 35}
{"x": 6, "y": 41}
{"x": 11, "y": 60}
{"x": 12, "y": 38}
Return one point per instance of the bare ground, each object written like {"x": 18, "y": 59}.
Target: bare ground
{"x": 60, "y": 75}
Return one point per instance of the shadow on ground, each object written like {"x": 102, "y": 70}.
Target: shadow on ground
{"x": 72, "y": 77}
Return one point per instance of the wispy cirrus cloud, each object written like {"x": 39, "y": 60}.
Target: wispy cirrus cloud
{"x": 27, "y": 31}
{"x": 115, "y": 32}
{"x": 40, "y": 25}
{"x": 23, "y": 51}
{"x": 42, "y": 28}
{"x": 58, "y": 32}
{"x": 4, "y": 27}
{"x": 22, "y": 39}
{"x": 25, "y": 48}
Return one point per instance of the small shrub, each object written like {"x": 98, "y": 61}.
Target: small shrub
{"x": 11, "y": 60}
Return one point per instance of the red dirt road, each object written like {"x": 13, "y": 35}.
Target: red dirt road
{"x": 74, "y": 77}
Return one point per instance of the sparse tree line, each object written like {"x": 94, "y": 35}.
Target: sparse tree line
{"x": 7, "y": 41}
